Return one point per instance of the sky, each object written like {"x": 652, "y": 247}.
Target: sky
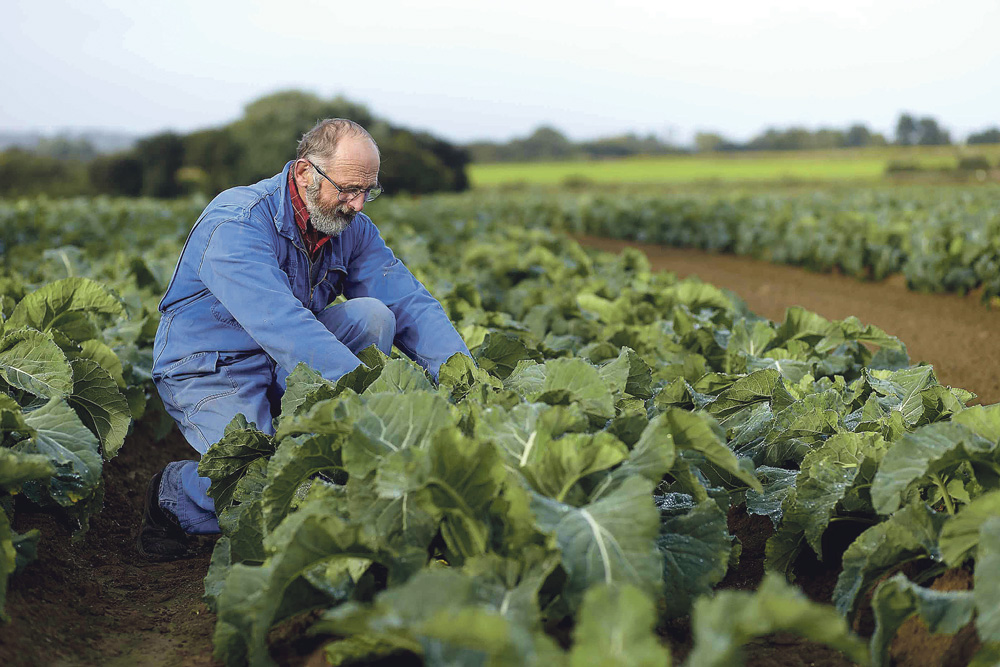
{"x": 476, "y": 70}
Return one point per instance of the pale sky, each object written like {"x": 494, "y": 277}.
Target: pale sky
{"x": 467, "y": 70}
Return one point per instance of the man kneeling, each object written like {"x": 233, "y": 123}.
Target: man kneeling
{"x": 250, "y": 299}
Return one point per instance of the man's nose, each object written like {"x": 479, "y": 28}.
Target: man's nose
{"x": 358, "y": 203}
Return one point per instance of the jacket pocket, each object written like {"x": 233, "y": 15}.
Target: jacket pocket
{"x": 195, "y": 380}
{"x": 199, "y": 363}
{"x": 222, "y": 314}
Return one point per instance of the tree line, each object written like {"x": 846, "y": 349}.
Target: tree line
{"x": 548, "y": 143}
{"x": 208, "y": 161}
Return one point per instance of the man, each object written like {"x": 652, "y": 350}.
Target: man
{"x": 249, "y": 300}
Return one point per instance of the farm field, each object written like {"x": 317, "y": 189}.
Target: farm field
{"x": 152, "y": 614}
{"x": 628, "y": 442}
{"x": 863, "y": 165}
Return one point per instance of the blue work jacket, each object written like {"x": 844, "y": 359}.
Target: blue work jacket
{"x": 245, "y": 285}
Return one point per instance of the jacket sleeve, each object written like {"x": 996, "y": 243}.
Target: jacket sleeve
{"x": 423, "y": 331}
{"x": 240, "y": 267}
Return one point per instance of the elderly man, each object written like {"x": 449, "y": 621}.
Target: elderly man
{"x": 250, "y": 298}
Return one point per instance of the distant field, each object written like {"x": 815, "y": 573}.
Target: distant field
{"x": 834, "y": 165}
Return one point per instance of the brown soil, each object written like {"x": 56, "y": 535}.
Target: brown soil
{"x": 94, "y": 602}
{"x": 953, "y": 333}
{"x": 915, "y": 645}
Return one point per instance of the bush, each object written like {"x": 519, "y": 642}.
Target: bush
{"x": 974, "y": 163}
{"x": 26, "y": 174}
{"x": 902, "y": 166}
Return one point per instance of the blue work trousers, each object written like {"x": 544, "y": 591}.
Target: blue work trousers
{"x": 204, "y": 394}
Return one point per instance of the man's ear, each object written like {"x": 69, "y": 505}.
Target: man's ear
{"x": 301, "y": 172}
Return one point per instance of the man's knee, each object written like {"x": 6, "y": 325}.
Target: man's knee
{"x": 361, "y": 322}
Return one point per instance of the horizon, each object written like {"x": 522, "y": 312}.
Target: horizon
{"x": 484, "y": 73}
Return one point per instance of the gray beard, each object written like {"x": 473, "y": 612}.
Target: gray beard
{"x": 331, "y": 221}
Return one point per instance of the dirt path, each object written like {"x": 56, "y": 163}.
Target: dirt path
{"x": 94, "y": 602}
{"x": 957, "y": 335}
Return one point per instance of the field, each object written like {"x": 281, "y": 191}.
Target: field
{"x": 629, "y": 473}
{"x": 862, "y": 165}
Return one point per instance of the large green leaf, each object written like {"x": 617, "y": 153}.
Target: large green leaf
{"x": 844, "y": 465}
{"x": 388, "y": 423}
{"x": 960, "y": 535}
{"x": 447, "y": 618}
{"x": 918, "y": 457}
{"x": 851, "y": 329}
{"x": 778, "y": 483}
{"x": 723, "y": 623}
{"x": 628, "y": 374}
{"x": 500, "y": 353}
{"x": 31, "y": 361}
{"x": 304, "y": 387}
{"x": 986, "y": 590}
{"x": 554, "y": 467}
{"x": 695, "y": 548}
{"x": 399, "y": 376}
{"x": 900, "y": 390}
{"x": 526, "y": 427}
{"x": 763, "y": 386}
{"x": 909, "y": 534}
{"x": 65, "y": 305}
{"x": 60, "y": 436}
{"x": 615, "y": 629}
{"x": 106, "y": 358}
{"x": 227, "y": 461}
{"x": 457, "y": 479}
{"x": 987, "y": 656}
{"x": 8, "y": 560}
{"x": 898, "y": 599}
{"x": 100, "y": 405}
{"x": 16, "y": 468}
{"x": 612, "y": 540}
{"x": 983, "y": 419}
{"x": 294, "y": 461}
{"x": 700, "y": 433}
{"x": 459, "y": 377}
{"x": 255, "y": 597}
{"x": 565, "y": 381}
{"x": 652, "y": 457}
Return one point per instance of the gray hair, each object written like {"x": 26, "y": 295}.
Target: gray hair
{"x": 320, "y": 143}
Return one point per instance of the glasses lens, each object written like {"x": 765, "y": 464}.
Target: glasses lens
{"x": 348, "y": 195}
{"x": 374, "y": 192}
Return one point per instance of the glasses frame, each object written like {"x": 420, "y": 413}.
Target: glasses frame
{"x": 343, "y": 194}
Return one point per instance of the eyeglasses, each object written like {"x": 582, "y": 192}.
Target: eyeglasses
{"x": 346, "y": 195}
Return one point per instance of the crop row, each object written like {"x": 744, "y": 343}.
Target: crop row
{"x": 944, "y": 239}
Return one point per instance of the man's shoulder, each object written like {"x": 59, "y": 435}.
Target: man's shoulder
{"x": 248, "y": 197}
{"x": 255, "y": 205}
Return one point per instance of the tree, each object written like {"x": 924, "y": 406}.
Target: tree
{"x": 990, "y": 136}
{"x": 160, "y": 155}
{"x": 906, "y": 130}
{"x": 217, "y": 154}
{"x": 859, "y": 135}
{"x": 708, "y": 142}
{"x": 119, "y": 175}
{"x": 931, "y": 134}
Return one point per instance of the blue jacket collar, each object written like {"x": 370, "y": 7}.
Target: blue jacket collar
{"x": 284, "y": 216}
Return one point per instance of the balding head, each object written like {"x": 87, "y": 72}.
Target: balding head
{"x": 320, "y": 143}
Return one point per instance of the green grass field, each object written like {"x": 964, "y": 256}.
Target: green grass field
{"x": 863, "y": 165}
